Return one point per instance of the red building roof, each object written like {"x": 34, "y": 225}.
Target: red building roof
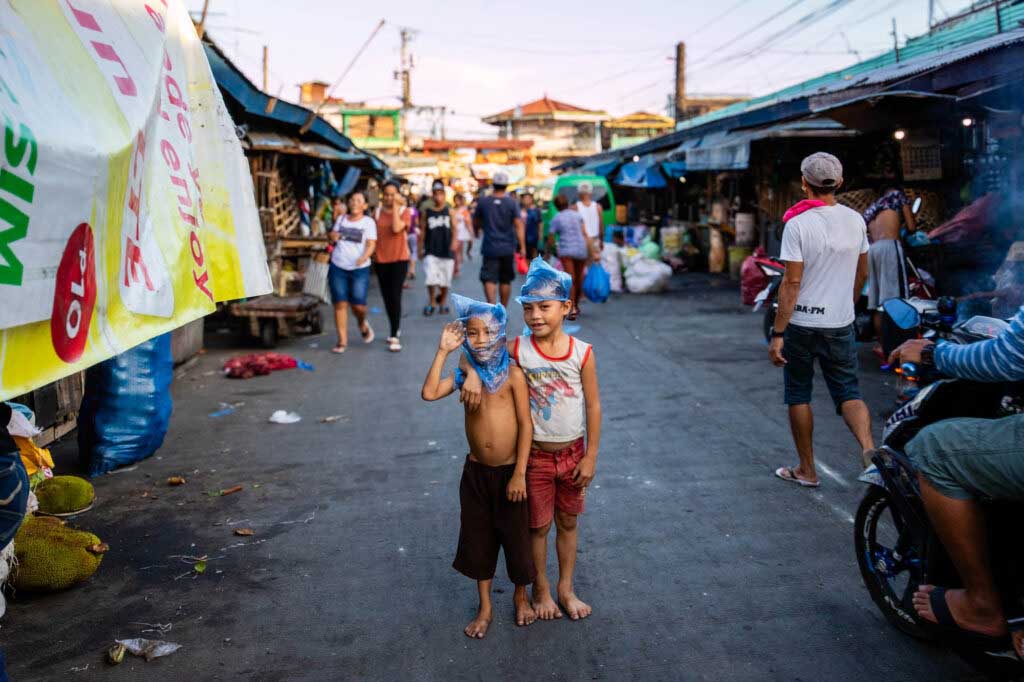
{"x": 545, "y": 106}
{"x": 495, "y": 144}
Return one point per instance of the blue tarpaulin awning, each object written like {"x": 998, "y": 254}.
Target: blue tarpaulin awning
{"x": 605, "y": 167}
{"x": 642, "y": 174}
{"x": 673, "y": 169}
{"x": 724, "y": 151}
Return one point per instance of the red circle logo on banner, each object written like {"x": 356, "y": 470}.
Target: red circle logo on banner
{"x": 75, "y": 295}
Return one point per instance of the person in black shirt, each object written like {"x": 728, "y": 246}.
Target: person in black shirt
{"x": 438, "y": 247}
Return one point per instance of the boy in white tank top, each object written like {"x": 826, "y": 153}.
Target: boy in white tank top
{"x": 562, "y": 379}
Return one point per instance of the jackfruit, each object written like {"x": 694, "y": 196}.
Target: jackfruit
{"x": 52, "y": 557}
{"x": 64, "y": 495}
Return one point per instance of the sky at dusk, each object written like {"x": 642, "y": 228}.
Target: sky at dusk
{"x": 478, "y": 58}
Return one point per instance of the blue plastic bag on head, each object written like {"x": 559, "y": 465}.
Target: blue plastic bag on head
{"x": 544, "y": 283}
{"x": 490, "y": 360}
{"x": 597, "y": 285}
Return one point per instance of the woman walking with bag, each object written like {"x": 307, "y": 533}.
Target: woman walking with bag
{"x": 573, "y": 247}
{"x": 392, "y": 260}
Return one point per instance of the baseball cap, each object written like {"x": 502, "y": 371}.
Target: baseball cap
{"x": 821, "y": 169}
{"x": 438, "y": 185}
{"x": 586, "y": 188}
{"x": 1016, "y": 253}
{"x": 500, "y": 179}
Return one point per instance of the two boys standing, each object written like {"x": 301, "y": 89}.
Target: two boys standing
{"x": 517, "y": 482}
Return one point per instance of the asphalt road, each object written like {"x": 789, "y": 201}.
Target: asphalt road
{"x": 698, "y": 562}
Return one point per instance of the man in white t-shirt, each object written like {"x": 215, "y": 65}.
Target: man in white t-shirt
{"x": 825, "y": 247}
{"x": 593, "y": 220}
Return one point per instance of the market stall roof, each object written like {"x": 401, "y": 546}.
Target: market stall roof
{"x": 642, "y": 174}
{"x": 261, "y": 108}
{"x": 599, "y": 167}
{"x": 977, "y": 44}
{"x": 268, "y": 141}
{"x": 722, "y": 150}
{"x": 887, "y": 109}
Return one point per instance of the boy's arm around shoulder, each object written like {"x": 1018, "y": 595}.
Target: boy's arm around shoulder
{"x": 524, "y": 438}
{"x": 584, "y": 472}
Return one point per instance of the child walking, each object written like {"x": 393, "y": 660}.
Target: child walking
{"x": 562, "y": 377}
{"x": 492, "y": 493}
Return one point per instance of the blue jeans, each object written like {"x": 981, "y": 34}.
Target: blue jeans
{"x": 836, "y": 352}
{"x": 348, "y": 286}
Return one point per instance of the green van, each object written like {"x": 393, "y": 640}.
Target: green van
{"x": 568, "y": 184}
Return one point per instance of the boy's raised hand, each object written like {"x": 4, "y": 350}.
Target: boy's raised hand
{"x": 451, "y": 336}
{"x": 517, "y": 488}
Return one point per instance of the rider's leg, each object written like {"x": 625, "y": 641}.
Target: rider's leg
{"x": 960, "y": 461}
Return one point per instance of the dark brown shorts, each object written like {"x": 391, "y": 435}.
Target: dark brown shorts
{"x": 490, "y": 522}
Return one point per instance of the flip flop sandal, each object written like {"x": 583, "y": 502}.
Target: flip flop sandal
{"x": 947, "y": 624}
{"x": 368, "y": 335}
{"x": 339, "y": 349}
{"x": 787, "y": 474}
{"x": 444, "y": 311}
{"x": 428, "y": 310}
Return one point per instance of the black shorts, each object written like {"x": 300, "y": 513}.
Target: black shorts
{"x": 501, "y": 269}
{"x": 490, "y": 522}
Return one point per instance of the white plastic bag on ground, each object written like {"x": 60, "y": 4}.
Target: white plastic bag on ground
{"x": 611, "y": 261}
{"x": 647, "y": 276}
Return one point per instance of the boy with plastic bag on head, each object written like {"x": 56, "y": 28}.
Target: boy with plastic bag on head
{"x": 492, "y": 493}
{"x": 561, "y": 373}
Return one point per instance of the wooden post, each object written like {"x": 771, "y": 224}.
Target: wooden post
{"x": 266, "y": 68}
{"x": 201, "y": 28}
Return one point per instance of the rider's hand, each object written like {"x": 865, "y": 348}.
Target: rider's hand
{"x": 910, "y": 351}
{"x": 775, "y": 352}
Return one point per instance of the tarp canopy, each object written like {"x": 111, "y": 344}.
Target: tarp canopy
{"x": 723, "y": 151}
{"x": 644, "y": 173}
{"x": 891, "y": 109}
{"x": 267, "y": 141}
{"x": 599, "y": 167}
{"x": 673, "y": 169}
{"x": 126, "y": 208}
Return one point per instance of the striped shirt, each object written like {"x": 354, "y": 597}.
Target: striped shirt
{"x": 998, "y": 359}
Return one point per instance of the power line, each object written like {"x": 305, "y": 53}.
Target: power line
{"x": 755, "y": 27}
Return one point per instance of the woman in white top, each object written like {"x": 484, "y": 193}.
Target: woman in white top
{"x": 593, "y": 220}
{"x": 355, "y": 239}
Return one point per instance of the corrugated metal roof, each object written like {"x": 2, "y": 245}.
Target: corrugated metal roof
{"x": 972, "y": 36}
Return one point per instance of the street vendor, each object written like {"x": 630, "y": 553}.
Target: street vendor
{"x": 887, "y": 271}
{"x": 1008, "y": 295}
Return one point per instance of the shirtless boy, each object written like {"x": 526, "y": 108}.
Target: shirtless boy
{"x": 492, "y": 493}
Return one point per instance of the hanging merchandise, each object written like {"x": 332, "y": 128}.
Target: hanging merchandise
{"x": 126, "y": 407}
{"x": 597, "y": 284}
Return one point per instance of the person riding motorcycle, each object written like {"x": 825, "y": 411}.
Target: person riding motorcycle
{"x": 960, "y": 461}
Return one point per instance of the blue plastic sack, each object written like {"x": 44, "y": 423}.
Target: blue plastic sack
{"x": 491, "y": 361}
{"x": 544, "y": 283}
{"x": 597, "y": 285}
{"x": 126, "y": 407}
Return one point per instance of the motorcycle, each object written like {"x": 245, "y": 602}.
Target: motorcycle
{"x": 896, "y": 546}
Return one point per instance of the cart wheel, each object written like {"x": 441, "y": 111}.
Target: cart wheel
{"x": 268, "y": 333}
{"x": 316, "y": 323}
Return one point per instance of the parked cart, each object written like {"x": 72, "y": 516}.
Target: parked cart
{"x": 271, "y": 317}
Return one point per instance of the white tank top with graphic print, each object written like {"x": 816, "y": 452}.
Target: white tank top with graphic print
{"x": 556, "y": 389}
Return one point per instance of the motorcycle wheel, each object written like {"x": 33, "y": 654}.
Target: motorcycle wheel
{"x": 769, "y": 319}
{"x": 890, "y": 572}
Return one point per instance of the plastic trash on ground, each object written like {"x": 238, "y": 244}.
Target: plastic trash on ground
{"x": 491, "y": 362}
{"x": 647, "y": 276}
{"x": 126, "y": 407}
{"x": 284, "y": 417}
{"x": 261, "y": 364}
{"x": 148, "y": 648}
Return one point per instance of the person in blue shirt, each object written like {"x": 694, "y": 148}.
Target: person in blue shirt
{"x": 960, "y": 461}
{"x": 532, "y": 219}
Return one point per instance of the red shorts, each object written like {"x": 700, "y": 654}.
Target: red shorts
{"x": 549, "y": 483}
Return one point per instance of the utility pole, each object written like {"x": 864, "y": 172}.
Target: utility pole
{"x": 404, "y": 74}
{"x": 931, "y": 14}
{"x": 266, "y": 68}
{"x": 895, "y": 41}
{"x": 680, "y": 103}
{"x": 201, "y": 28}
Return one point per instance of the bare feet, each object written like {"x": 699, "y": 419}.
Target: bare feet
{"x": 967, "y": 616}
{"x": 545, "y": 606}
{"x": 525, "y": 615}
{"x": 477, "y": 628}
{"x": 573, "y": 605}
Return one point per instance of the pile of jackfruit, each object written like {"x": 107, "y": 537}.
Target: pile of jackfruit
{"x": 52, "y": 557}
{"x": 62, "y": 495}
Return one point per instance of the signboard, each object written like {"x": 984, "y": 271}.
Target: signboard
{"x": 126, "y": 204}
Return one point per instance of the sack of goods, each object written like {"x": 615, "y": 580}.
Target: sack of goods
{"x": 647, "y": 276}
{"x": 611, "y": 261}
